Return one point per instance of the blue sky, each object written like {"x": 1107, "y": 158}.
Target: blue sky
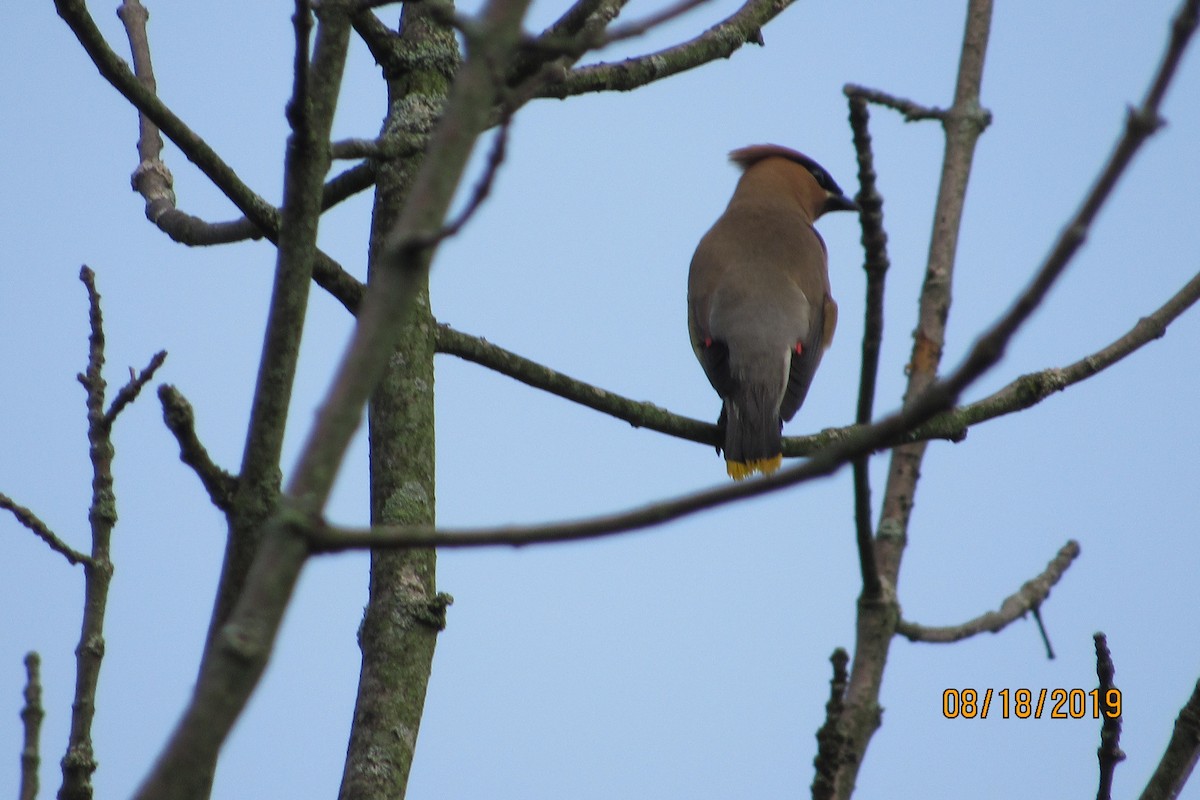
{"x": 690, "y": 661}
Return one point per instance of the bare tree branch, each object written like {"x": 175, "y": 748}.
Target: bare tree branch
{"x": 531, "y": 373}
{"x": 80, "y": 762}
{"x": 875, "y": 264}
{"x": 42, "y": 531}
{"x": 1023, "y": 392}
{"x": 1109, "y": 753}
{"x": 598, "y": 36}
{"x": 31, "y": 715}
{"x": 1031, "y": 595}
{"x": 643, "y": 26}
{"x": 327, "y": 273}
{"x": 1036, "y": 611}
{"x": 242, "y": 646}
{"x": 310, "y": 112}
{"x": 323, "y": 538}
{"x": 1183, "y": 750}
{"x": 181, "y": 421}
{"x": 130, "y": 391}
{"x": 720, "y": 41}
{"x": 556, "y": 49}
{"x": 483, "y": 187}
{"x": 912, "y": 111}
{"x": 196, "y": 232}
{"x": 831, "y": 744}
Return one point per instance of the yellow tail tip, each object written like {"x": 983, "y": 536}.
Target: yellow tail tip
{"x": 740, "y": 470}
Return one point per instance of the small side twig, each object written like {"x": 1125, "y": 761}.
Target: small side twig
{"x": 579, "y": 42}
{"x": 31, "y": 714}
{"x": 912, "y": 110}
{"x": 1109, "y": 753}
{"x": 42, "y": 531}
{"x": 181, "y": 421}
{"x": 831, "y": 742}
{"x": 1041, "y": 626}
{"x": 129, "y": 392}
{"x": 1031, "y": 595}
{"x": 632, "y": 30}
{"x": 483, "y": 188}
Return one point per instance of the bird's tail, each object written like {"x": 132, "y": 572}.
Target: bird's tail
{"x": 753, "y": 438}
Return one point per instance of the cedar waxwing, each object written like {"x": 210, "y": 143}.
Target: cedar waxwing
{"x": 759, "y": 311}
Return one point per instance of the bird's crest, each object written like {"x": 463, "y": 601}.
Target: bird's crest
{"x": 746, "y": 157}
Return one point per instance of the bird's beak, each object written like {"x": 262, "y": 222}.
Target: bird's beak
{"x": 839, "y": 202}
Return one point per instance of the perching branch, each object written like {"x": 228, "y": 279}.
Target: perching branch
{"x": 181, "y": 421}
{"x": 1031, "y": 595}
{"x": 31, "y": 715}
{"x": 1109, "y": 753}
{"x": 531, "y": 373}
{"x": 1023, "y": 392}
{"x": 42, "y": 531}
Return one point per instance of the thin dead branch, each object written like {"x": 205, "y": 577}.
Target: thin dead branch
{"x": 1029, "y": 597}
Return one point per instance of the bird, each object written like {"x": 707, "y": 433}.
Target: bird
{"x": 760, "y": 312}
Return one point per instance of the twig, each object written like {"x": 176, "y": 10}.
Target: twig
{"x": 556, "y": 49}
{"x": 129, "y": 392}
{"x": 720, "y": 41}
{"x": 874, "y": 240}
{"x": 1109, "y": 753}
{"x": 831, "y": 743}
{"x": 181, "y": 421}
{"x": 31, "y": 714}
{"x": 42, "y": 531}
{"x": 80, "y": 762}
{"x": 297, "y": 111}
{"x": 1032, "y": 594}
{"x": 1037, "y": 618}
{"x": 581, "y": 14}
{"x": 596, "y": 37}
{"x": 634, "y": 29}
{"x": 483, "y": 187}
{"x": 380, "y": 41}
{"x": 912, "y": 111}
